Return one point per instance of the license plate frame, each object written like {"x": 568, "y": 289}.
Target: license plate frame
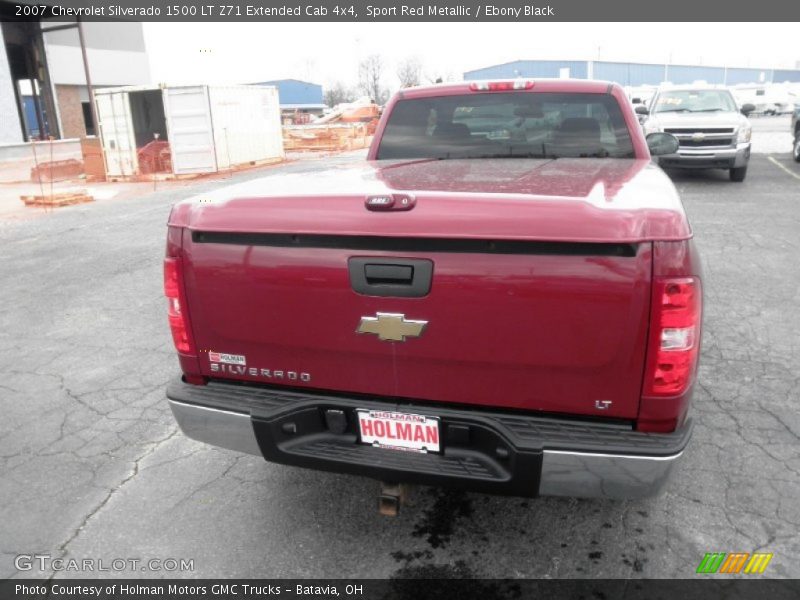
{"x": 399, "y": 431}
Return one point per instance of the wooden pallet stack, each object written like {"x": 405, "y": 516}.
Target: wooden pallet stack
{"x": 58, "y": 199}
{"x": 330, "y": 137}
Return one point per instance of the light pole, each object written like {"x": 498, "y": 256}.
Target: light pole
{"x": 666, "y": 67}
{"x": 88, "y": 76}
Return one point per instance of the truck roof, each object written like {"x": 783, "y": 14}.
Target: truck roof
{"x": 575, "y": 86}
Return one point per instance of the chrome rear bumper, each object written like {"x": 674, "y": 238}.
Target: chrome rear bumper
{"x": 587, "y": 475}
{"x": 534, "y": 469}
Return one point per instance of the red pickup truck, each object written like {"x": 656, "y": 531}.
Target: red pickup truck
{"x": 504, "y": 297}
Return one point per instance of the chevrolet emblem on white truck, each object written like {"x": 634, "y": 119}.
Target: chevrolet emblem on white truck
{"x": 391, "y": 327}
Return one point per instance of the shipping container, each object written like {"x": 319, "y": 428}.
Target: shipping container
{"x": 187, "y": 129}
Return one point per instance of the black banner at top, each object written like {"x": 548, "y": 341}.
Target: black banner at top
{"x": 403, "y": 10}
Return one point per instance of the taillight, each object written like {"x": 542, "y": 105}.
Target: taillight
{"x": 500, "y": 86}
{"x": 178, "y": 323}
{"x": 674, "y": 337}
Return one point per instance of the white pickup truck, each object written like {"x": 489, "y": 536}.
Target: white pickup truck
{"x": 712, "y": 131}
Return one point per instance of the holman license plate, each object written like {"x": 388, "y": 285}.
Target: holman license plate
{"x": 399, "y": 431}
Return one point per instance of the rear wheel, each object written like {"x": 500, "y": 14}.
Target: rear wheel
{"x": 796, "y": 147}
{"x": 738, "y": 174}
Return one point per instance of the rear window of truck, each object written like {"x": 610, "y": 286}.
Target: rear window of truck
{"x": 507, "y": 125}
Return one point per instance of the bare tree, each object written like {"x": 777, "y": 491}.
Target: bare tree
{"x": 337, "y": 92}
{"x": 370, "y": 73}
{"x": 409, "y": 72}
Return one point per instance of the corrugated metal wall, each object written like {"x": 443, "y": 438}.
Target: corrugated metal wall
{"x": 578, "y": 69}
{"x": 635, "y": 74}
{"x": 737, "y": 75}
{"x": 781, "y": 75}
{"x": 632, "y": 74}
{"x": 689, "y": 74}
{"x": 294, "y": 91}
{"x": 247, "y": 124}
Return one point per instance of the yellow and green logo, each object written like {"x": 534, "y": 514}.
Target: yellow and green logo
{"x": 734, "y": 562}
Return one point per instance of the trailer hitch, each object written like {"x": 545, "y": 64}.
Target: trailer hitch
{"x": 391, "y": 497}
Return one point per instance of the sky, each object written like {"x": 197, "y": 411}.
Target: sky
{"x": 328, "y": 52}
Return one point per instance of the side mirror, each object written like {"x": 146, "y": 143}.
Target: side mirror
{"x": 662, "y": 143}
{"x": 748, "y": 108}
{"x": 641, "y": 110}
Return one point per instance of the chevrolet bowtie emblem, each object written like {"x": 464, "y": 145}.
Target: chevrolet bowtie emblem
{"x": 391, "y": 327}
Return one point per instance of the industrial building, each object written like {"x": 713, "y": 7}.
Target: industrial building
{"x": 296, "y": 95}
{"x": 634, "y": 74}
{"x": 43, "y": 73}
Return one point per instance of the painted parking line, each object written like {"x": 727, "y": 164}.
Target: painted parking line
{"x": 783, "y": 167}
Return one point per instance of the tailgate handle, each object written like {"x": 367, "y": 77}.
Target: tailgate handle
{"x": 394, "y": 277}
{"x": 389, "y": 274}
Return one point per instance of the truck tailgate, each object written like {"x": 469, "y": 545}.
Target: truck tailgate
{"x": 528, "y": 324}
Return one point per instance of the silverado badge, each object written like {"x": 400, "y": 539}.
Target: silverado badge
{"x": 391, "y": 327}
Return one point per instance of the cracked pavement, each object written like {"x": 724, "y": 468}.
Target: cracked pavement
{"x": 92, "y": 464}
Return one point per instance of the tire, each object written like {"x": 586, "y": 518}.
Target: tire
{"x": 738, "y": 174}
{"x": 796, "y": 147}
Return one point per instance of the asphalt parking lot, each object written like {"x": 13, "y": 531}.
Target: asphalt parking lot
{"x": 93, "y": 466}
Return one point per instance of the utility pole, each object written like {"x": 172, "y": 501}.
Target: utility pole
{"x": 666, "y": 67}
{"x": 88, "y": 76}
